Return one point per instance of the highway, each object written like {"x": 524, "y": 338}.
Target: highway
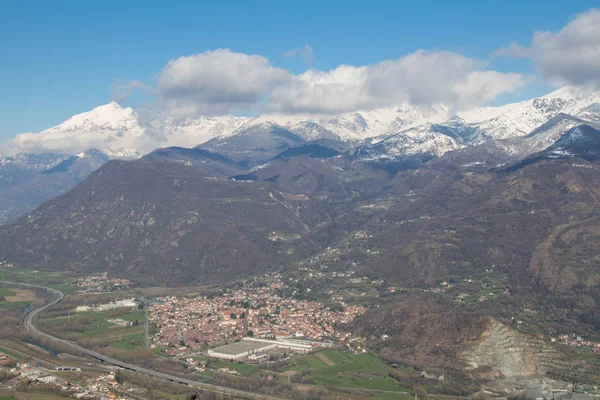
{"x": 58, "y": 296}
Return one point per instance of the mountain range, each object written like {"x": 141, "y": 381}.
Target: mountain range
{"x": 468, "y": 222}
{"x": 401, "y": 137}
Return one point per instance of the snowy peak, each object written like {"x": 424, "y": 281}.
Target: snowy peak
{"x": 107, "y": 117}
{"x": 518, "y": 119}
{"x": 122, "y": 132}
{"x": 566, "y": 100}
{"x": 430, "y": 140}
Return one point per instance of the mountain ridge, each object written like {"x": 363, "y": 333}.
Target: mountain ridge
{"x": 395, "y": 138}
{"x": 125, "y": 133}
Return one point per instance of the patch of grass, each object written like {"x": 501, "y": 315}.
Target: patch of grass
{"x": 55, "y": 280}
{"x": 65, "y": 288}
{"x": 336, "y": 356}
{"x": 361, "y": 371}
{"x": 159, "y": 394}
{"x": 134, "y": 316}
{"x": 315, "y": 362}
{"x": 393, "y": 396}
{"x": 10, "y": 353}
{"x": 129, "y": 342}
{"x": 13, "y": 305}
{"x": 160, "y": 351}
{"x": 97, "y": 325}
{"x": 6, "y": 292}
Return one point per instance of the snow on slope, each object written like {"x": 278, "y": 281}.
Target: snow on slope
{"x": 121, "y": 133}
{"x": 124, "y": 133}
{"x": 359, "y": 125}
{"x": 540, "y": 138}
{"x": 427, "y": 139}
{"x": 518, "y": 119}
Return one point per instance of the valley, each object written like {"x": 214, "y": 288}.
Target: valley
{"x": 379, "y": 254}
{"x": 119, "y": 332}
{"x": 300, "y": 200}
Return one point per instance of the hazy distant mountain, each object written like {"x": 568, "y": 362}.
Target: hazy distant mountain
{"x": 255, "y": 144}
{"x": 26, "y": 181}
{"x": 211, "y": 164}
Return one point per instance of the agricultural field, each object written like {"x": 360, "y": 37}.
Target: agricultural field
{"x": 345, "y": 369}
{"x": 54, "y": 280}
{"x": 96, "y": 325}
{"x": 11, "y": 395}
{"x": 159, "y": 394}
{"x": 9, "y": 353}
{"x": 15, "y": 298}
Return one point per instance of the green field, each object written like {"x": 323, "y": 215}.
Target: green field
{"x": 10, "y": 353}
{"x": 30, "y": 395}
{"x": 6, "y": 292}
{"x": 8, "y": 305}
{"x": 134, "y": 316}
{"x": 393, "y": 396}
{"x": 54, "y": 280}
{"x": 129, "y": 342}
{"x": 361, "y": 371}
{"x": 97, "y": 326}
{"x": 164, "y": 395}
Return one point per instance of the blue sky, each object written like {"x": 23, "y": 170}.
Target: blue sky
{"x": 61, "y": 58}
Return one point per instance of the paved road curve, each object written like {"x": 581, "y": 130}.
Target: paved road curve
{"x": 58, "y": 296}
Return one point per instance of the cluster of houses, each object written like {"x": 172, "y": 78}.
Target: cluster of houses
{"x": 100, "y": 284}
{"x": 6, "y": 361}
{"x": 576, "y": 341}
{"x": 34, "y": 374}
{"x": 258, "y": 310}
{"x": 103, "y": 387}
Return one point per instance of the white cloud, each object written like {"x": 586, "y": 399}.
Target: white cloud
{"x": 216, "y": 82}
{"x": 423, "y": 77}
{"x": 222, "y": 81}
{"x": 568, "y": 57}
{"x": 306, "y": 53}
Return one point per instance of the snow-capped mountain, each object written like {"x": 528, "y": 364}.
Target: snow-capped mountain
{"x": 359, "y": 125}
{"x": 582, "y": 141}
{"x": 37, "y": 166}
{"x": 122, "y": 132}
{"x": 494, "y": 154}
{"x": 27, "y": 180}
{"x": 110, "y": 127}
{"x": 429, "y": 140}
{"x": 519, "y": 119}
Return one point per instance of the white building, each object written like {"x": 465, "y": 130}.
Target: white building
{"x": 250, "y": 347}
{"x": 126, "y": 303}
